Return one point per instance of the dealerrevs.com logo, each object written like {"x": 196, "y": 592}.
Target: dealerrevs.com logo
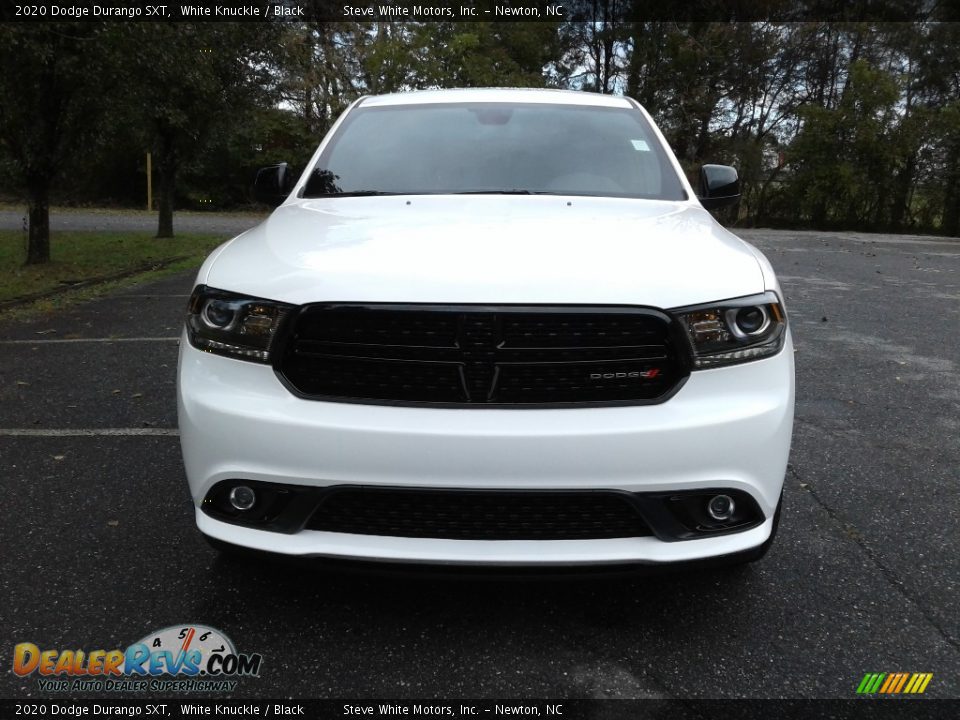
{"x": 179, "y": 658}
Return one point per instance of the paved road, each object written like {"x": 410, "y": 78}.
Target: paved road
{"x": 99, "y": 544}
{"x": 193, "y": 222}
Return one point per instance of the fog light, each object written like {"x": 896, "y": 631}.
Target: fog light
{"x": 720, "y": 507}
{"x": 243, "y": 497}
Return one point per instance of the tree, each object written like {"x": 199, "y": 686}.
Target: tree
{"x": 939, "y": 67}
{"x": 843, "y": 157}
{"x": 595, "y": 39}
{"x": 484, "y": 54}
{"x": 50, "y": 100}
{"x": 319, "y": 71}
{"x": 186, "y": 82}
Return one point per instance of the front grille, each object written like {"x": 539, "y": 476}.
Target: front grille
{"x": 479, "y": 515}
{"x": 478, "y": 355}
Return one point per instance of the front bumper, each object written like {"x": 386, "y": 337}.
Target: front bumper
{"x": 728, "y": 427}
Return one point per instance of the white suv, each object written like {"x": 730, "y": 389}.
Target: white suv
{"x": 489, "y": 327}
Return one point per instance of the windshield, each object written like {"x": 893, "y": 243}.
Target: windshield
{"x": 495, "y": 148}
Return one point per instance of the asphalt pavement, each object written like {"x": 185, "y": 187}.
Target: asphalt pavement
{"x": 100, "y": 547}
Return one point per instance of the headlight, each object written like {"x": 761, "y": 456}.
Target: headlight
{"x": 233, "y": 325}
{"x": 734, "y": 331}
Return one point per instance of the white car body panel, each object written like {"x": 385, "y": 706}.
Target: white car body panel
{"x": 452, "y": 249}
{"x": 693, "y": 440}
{"x": 728, "y": 427}
{"x": 502, "y": 553}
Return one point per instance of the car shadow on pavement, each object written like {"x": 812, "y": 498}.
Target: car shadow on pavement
{"x": 363, "y": 587}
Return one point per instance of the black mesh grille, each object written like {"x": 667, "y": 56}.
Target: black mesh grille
{"x": 480, "y": 356}
{"x": 580, "y": 330}
{"x": 479, "y": 515}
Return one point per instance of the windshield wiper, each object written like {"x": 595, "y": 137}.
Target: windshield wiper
{"x": 516, "y": 191}
{"x": 377, "y": 193}
{"x": 354, "y": 193}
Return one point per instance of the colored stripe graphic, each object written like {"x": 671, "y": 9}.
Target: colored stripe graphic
{"x": 903, "y": 679}
{"x": 918, "y": 683}
{"x": 891, "y": 680}
{"x": 870, "y": 683}
{"x": 894, "y": 683}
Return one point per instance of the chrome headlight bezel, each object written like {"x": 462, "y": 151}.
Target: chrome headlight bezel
{"x": 716, "y": 339}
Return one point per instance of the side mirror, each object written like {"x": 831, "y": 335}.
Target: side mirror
{"x": 273, "y": 184}
{"x": 719, "y": 186}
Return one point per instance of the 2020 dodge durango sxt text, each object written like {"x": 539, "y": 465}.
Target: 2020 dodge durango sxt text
{"x": 491, "y": 327}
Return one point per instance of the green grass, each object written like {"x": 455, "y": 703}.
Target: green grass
{"x": 79, "y": 256}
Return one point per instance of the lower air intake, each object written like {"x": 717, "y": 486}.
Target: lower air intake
{"x": 480, "y": 515}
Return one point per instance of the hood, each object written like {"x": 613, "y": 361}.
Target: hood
{"x": 495, "y": 249}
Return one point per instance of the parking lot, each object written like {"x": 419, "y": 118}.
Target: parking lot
{"x": 100, "y": 547}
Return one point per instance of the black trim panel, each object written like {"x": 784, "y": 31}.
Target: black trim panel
{"x": 477, "y": 357}
{"x": 291, "y": 508}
